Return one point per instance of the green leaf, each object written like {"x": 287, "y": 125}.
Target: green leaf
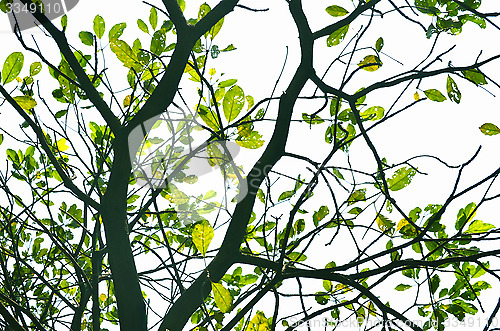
{"x": 233, "y": 102}
{"x": 435, "y": 95}
{"x": 1, "y": 138}
{"x": 402, "y": 287}
{"x": 116, "y": 31}
{"x": 452, "y": 90}
{"x": 182, "y": 4}
{"x": 209, "y": 117}
{"x": 384, "y": 223}
{"x": 25, "y": 102}
{"x": 12, "y": 67}
{"x": 229, "y": 48}
{"x": 337, "y": 36}
{"x": 434, "y": 283}
{"x": 227, "y": 83}
{"x": 320, "y": 214}
{"x": 252, "y": 141}
{"x": 222, "y": 297}
{"x": 311, "y": 120}
{"x": 465, "y": 215}
{"x": 125, "y": 54}
{"x": 204, "y": 9}
{"x": 142, "y": 26}
{"x": 215, "y": 30}
{"x": 336, "y": 11}
{"x": 203, "y": 233}
{"x": 35, "y": 68}
{"x": 64, "y": 22}
{"x": 99, "y": 26}
{"x": 158, "y": 42}
{"x": 370, "y": 63}
{"x": 379, "y": 44}
{"x": 475, "y": 76}
{"x": 153, "y": 18}
{"x": 86, "y": 37}
{"x": 373, "y": 113}
{"x": 358, "y": 195}
{"x": 489, "y": 129}
{"x": 285, "y": 195}
{"x": 401, "y": 178}
{"x": 478, "y": 227}
{"x": 297, "y": 257}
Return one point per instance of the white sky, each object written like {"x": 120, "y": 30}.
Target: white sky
{"x": 447, "y": 130}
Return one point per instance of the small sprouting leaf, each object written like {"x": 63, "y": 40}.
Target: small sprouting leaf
{"x": 379, "y": 44}
{"x": 416, "y": 96}
{"x": 227, "y": 83}
{"x": 309, "y": 119}
{"x": 99, "y": 26}
{"x": 233, "y": 102}
{"x": 87, "y": 38}
{"x": 370, "y": 63}
{"x": 222, "y": 297}
{"x": 229, "y": 48}
{"x": 336, "y": 11}
{"x": 435, "y": 95}
{"x": 402, "y": 287}
{"x": 64, "y": 22}
{"x": 35, "y": 68}
{"x": 203, "y": 233}
{"x": 153, "y": 18}
{"x": 337, "y": 36}
{"x": 373, "y": 113}
{"x": 475, "y": 76}
{"x": 12, "y": 67}
{"x": 25, "y": 102}
{"x": 401, "y": 178}
{"x": 452, "y": 90}
{"x": 252, "y": 141}
{"x": 142, "y": 26}
{"x": 479, "y": 227}
{"x": 116, "y": 31}
{"x": 158, "y": 42}
{"x": 489, "y": 129}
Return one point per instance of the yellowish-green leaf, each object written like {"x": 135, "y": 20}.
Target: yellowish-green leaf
{"x": 252, "y": 141}
{"x": 379, "y": 44}
{"x": 435, "y": 95}
{"x": 116, "y": 31}
{"x": 1, "y": 138}
{"x": 203, "y": 233}
{"x": 99, "y": 26}
{"x": 223, "y": 299}
{"x": 489, "y": 129}
{"x": 336, "y": 11}
{"x": 233, "y": 102}
{"x": 35, "y": 68}
{"x": 402, "y": 287}
{"x": 337, "y": 36}
{"x": 452, "y": 90}
{"x": 216, "y": 28}
{"x": 479, "y": 227}
{"x": 401, "y": 178}
{"x": 384, "y": 223}
{"x": 142, "y": 26}
{"x": 153, "y": 18}
{"x": 25, "y": 102}
{"x": 373, "y": 113}
{"x": 12, "y": 67}
{"x": 259, "y": 323}
{"x": 125, "y": 54}
{"x": 475, "y": 76}
{"x": 370, "y": 63}
{"x": 209, "y": 117}
{"x": 86, "y": 37}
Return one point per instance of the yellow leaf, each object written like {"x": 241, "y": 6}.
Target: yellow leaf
{"x": 61, "y": 145}
{"x": 259, "y": 323}
{"x": 211, "y": 72}
{"x": 370, "y": 63}
{"x": 416, "y": 96}
{"x": 102, "y": 297}
{"x": 223, "y": 299}
{"x": 25, "y": 102}
{"x": 127, "y": 100}
{"x": 203, "y": 233}
{"x": 402, "y": 223}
